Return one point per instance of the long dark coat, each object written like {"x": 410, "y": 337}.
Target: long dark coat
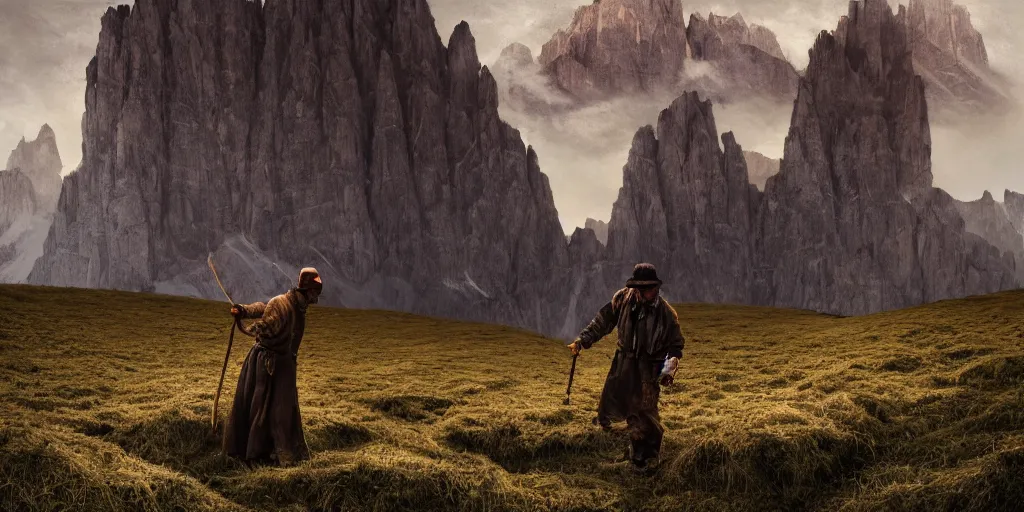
{"x": 648, "y": 334}
{"x": 265, "y": 419}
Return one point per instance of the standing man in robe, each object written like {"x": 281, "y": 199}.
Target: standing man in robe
{"x": 264, "y": 424}
{"x": 650, "y": 346}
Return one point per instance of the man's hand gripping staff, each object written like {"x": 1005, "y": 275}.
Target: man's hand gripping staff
{"x": 575, "y": 348}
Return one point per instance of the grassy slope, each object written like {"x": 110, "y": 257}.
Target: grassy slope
{"x": 105, "y": 401}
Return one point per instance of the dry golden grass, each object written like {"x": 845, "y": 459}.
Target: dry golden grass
{"x": 105, "y": 401}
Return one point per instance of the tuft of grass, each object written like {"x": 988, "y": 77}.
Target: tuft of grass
{"x": 107, "y": 407}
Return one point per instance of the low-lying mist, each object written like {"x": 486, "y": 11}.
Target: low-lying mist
{"x": 972, "y": 154}
{"x": 583, "y": 151}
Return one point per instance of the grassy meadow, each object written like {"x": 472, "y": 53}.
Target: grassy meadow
{"x": 106, "y": 397}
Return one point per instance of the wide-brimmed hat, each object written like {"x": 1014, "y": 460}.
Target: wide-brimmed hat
{"x": 644, "y": 276}
{"x": 309, "y": 279}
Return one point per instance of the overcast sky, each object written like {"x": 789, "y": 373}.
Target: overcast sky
{"x": 45, "y": 46}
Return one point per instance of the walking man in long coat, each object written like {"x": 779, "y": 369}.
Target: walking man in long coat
{"x": 650, "y": 346}
{"x": 265, "y": 424}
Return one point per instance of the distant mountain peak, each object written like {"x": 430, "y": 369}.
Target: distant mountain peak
{"x": 951, "y": 57}
{"x": 40, "y": 160}
{"x": 631, "y": 47}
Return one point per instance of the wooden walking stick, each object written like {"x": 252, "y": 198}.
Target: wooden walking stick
{"x": 231, "y": 339}
{"x": 224, "y": 370}
{"x": 572, "y": 373}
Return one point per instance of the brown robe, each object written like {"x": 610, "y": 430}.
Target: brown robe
{"x": 648, "y": 335}
{"x": 265, "y": 423}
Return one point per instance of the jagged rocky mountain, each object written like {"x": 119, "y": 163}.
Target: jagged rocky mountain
{"x": 343, "y": 135}
{"x": 742, "y": 60}
{"x": 760, "y": 168}
{"x": 686, "y": 205}
{"x": 994, "y": 222}
{"x": 734, "y": 31}
{"x": 617, "y": 48}
{"x": 951, "y": 57}
{"x": 850, "y": 224}
{"x": 600, "y": 229}
{"x": 28, "y": 195}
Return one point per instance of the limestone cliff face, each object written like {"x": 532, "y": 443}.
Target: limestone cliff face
{"x": 343, "y": 135}
{"x": 1013, "y": 202}
{"x": 618, "y": 47}
{"x": 851, "y": 224}
{"x": 951, "y": 57}
{"x": 745, "y": 60}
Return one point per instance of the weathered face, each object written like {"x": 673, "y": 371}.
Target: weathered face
{"x": 649, "y": 294}
{"x": 313, "y": 289}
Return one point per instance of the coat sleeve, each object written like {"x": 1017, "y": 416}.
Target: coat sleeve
{"x": 254, "y": 310}
{"x": 276, "y": 318}
{"x": 604, "y": 323}
{"x": 676, "y": 341}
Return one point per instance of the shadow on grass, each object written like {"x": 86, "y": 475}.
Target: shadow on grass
{"x": 46, "y": 470}
{"x": 412, "y": 407}
{"x": 338, "y": 436}
{"x": 516, "y": 451}
{"x": 379, "y": 486}
{"x": 181, "y": 441}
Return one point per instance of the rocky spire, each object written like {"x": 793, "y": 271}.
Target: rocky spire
{"x": 685, "y": 207}
{"x": 851, "y": 224}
